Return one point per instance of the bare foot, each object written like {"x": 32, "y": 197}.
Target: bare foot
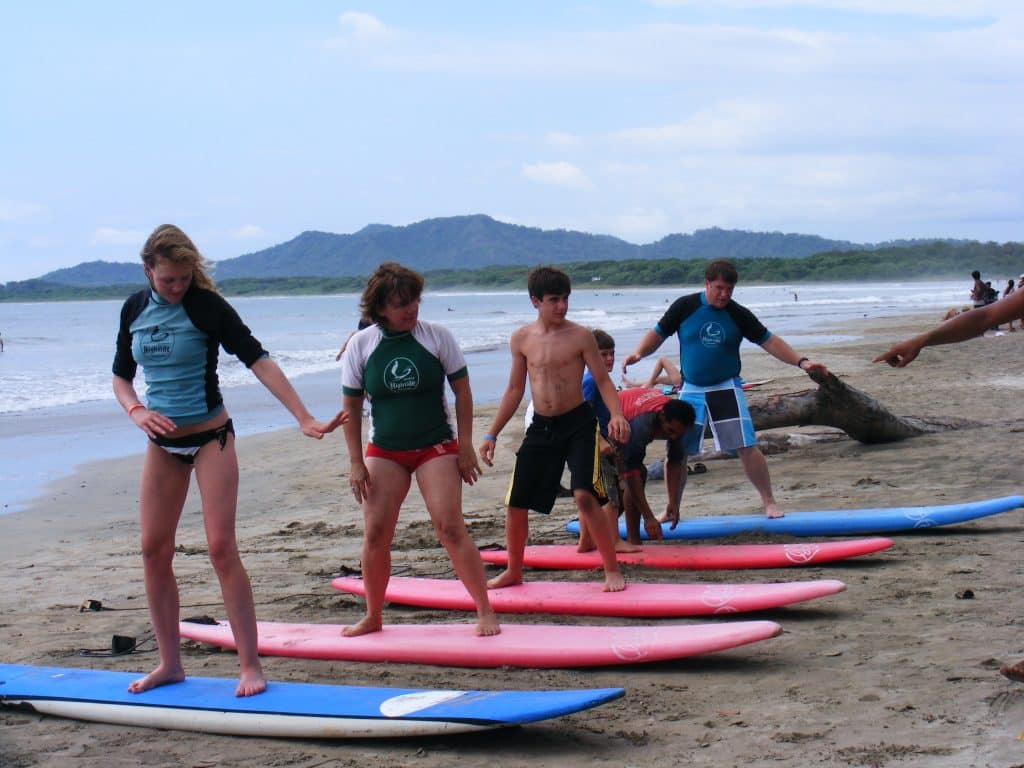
{"x": 365, "y": 626}
{"x": 627, "y": 546}
{"x": 586, "y": 543}
{"x": 488, "y": 625}
{"x": 156, "y": 678}
{"x": 614, "y": 582}
{"x": 772, "y": 511}
{"x": 505, "y": 579}
{"x": 251, "y": 683}
{"x": 1014, "y": 672}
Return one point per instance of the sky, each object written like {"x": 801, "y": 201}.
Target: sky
{"x": 247, "y": 123}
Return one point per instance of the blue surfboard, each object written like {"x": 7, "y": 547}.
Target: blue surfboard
{"x": 838, "y": 522}
{"x": 296, "y": 710}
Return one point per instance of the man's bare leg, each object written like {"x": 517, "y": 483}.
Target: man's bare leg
{"x": 756, "y": 467}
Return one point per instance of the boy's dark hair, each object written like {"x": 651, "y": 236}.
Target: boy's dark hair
{"x": 548, "y": 281}
{"x": 720, "y": 268}
{"x": 679, "y": 411}
{"x": 604, "y": 339}
{"x": 976, "y": 275}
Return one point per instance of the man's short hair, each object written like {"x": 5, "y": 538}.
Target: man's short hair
{"x": 604, "y": 339}
{"x": 548, "y": 281}
{"x": 720, "y": 268}
{"x": 679, "y": 411}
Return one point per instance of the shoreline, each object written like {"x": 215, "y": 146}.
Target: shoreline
{"x": 896, "y": 671}
{"x": 45, "y": 446}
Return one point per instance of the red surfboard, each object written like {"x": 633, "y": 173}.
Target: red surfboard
{"x": 697, "y": 556}
{"x": 590, "y": 599}
{"x": 535, "y": 646}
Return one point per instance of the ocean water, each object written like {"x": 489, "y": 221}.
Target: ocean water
{"x": 57, "y": 410}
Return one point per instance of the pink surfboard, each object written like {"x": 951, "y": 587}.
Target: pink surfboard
{"x": 518, "y": 645}
{"x": 590, "y": 599}
{"x": 697, "y": 556}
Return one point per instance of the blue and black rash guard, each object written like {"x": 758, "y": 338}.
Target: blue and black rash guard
{"x": 709, "y": 338}
{"x": 177, "y": 347}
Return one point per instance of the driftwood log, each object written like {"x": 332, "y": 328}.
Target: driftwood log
{"x": 836, "y": 404}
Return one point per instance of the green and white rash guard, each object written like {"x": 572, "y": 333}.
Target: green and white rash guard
{"x": 403, "y": 375}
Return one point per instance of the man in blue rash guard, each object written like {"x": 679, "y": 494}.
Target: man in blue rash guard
{"x": 711, "y": 327}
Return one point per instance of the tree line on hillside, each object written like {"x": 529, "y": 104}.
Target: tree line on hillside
{"x": 930, "y": 261}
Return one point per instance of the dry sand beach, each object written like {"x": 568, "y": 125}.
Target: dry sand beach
{"x": 896, "y": 671}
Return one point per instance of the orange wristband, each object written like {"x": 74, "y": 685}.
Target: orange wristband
{"x": 131, "y": 408}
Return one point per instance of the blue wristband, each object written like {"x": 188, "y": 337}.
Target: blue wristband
{"x": 492, "y": 438}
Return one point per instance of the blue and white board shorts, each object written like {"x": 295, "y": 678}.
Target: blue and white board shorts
{"x": 725, "y": 406}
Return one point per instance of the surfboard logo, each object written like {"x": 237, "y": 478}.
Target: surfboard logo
{"x": 801, "y": 553}
{"x": 158, "y": 344}
{"x": 632, "y": 645}
{"x": 712, "y": 334}
{"x": 720, "y": 597}
{"x": 401, "y": 375}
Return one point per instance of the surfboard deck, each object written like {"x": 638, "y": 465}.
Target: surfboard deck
{"x": 590, "y": 599}
{"x": 697, "y": 556}
{"x": 838, "y": 522}
{"x": 295, "y": 710}
{"x": 538, "y": 646}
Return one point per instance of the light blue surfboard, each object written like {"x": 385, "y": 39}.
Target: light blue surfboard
{"x": 294, "y": 710}
{"x": 838, "y": 522}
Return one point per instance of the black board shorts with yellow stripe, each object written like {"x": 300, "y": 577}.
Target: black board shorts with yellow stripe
{"x": 550, "y": 443}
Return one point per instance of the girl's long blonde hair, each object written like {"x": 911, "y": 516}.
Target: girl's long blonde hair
{"x": 169, "y": 242}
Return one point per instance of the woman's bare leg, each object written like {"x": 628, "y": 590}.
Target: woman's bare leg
{"x": 389, "y": 486}
{"x": 441, "y": 486}
{"x": 162, "y": 493}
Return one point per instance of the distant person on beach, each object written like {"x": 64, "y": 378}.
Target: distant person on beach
{"x": 665, "y": 374}
{"x": 653, "y": 415}
{"x": 711, "y": 327}
{"x": 554, "y": 351}
{"x": 1010, "y": 288}
{"x": 173, "y": 330}
{"x": 966, "y": 325}
{"x": 979, "y": 291}
{"x": 401, "y": 364}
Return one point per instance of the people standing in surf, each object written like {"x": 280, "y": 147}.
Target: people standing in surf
{"x": 964, "y": 326}
{"x": 401, "y": 364}
{"x": 173, "y": 329}
{"x": 554, "y": 352}
{"x": 710, "y": 327}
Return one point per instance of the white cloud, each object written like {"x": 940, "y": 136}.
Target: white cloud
{"x": 111, "y": 236}
{"x": 247, "y": 232}
{"x": 557, "y": 174}
{"x": 727, "y": 125}
{"x": 360, "y": 30}
{"x": 15, "y": 210}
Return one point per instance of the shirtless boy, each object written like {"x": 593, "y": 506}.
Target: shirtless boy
{"x": 554, "y": 351}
